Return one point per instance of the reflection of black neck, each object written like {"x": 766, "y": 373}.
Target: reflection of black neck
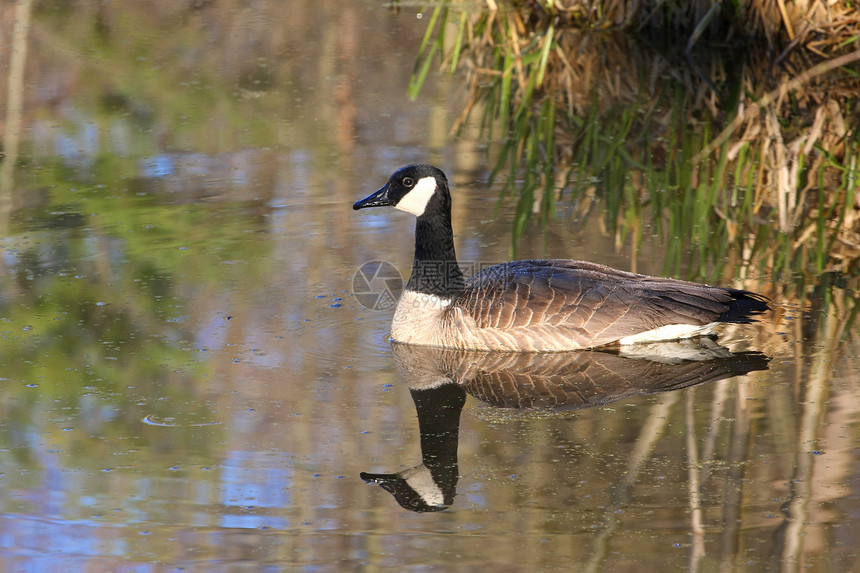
{"x": 435, "y": 270}
{"x": 439, "y": 424}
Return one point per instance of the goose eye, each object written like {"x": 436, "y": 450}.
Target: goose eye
{"x": 408, "y": 182}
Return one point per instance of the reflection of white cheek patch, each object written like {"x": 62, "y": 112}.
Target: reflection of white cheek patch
{"x": 415, "y": 201}
{"x": 421, "y": 481}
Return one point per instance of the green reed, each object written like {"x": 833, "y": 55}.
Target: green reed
{"x": 648, "y": 154}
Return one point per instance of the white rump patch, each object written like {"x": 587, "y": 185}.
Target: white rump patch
{"x": 415, "y": 201}
{"x": 669, "y": 332}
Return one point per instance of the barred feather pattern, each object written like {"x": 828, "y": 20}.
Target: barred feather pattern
{"x": 557, "y": 305}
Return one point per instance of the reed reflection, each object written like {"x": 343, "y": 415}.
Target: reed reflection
{"x": 439, "y": 380}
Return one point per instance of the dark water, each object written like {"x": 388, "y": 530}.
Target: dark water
{"x": 187, "y": 381}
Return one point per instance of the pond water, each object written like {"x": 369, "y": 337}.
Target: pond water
{"x": 187, "y": 381}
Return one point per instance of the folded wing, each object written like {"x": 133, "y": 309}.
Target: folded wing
{"x": 593, "y": 305}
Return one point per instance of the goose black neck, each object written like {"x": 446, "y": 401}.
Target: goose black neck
{"x": 435, "y": 270}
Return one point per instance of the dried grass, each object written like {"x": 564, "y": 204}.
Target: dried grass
{"x": 778, "y": 119}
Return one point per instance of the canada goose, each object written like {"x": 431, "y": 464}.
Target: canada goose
{"x": 536, "y": 305}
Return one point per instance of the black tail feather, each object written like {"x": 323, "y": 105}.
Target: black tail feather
{"x": 744, "y": 307}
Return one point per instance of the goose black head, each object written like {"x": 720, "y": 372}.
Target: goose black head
{"x": 413, "y": 189}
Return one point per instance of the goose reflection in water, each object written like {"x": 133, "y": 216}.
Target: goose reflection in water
{"x": 439, "y": 380}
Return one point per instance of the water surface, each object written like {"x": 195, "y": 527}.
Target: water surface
{"x": 187, "y": 381}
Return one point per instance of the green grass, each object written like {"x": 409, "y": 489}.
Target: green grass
{"x": 654, "y": 147}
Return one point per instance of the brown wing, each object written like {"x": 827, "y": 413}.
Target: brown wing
{"x": 588, "y": 303}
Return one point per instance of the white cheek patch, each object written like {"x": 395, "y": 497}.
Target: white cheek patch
{"x": 415, "y": 201}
